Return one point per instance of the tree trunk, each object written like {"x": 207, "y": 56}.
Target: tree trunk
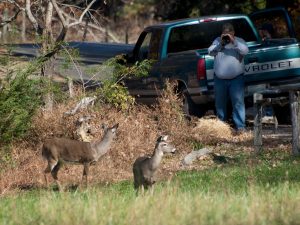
{"x": 47, "y": 67}
{"x": 5, "y": 27}
{"x": 23, "y": 31}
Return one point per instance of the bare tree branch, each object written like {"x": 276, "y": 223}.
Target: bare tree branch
{"x": 60, "y": 14}
{"x": 96, "y": 27}
{"x": 48, "y": 19}
{"x": 83, "y": 13}
{"x": 11, "y": 19}
{"x": 14, "y": 17}
{"x": 32, "y": 19}
{"x": 15, "y": 3}
{"x": 62, "y": 18}
{"x": 49, "y": 14}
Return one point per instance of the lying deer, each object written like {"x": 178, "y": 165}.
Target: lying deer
{"x": 144, "y": 168}
{"x": 59, "y": 150}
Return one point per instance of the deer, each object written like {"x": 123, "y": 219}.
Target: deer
{"x": 59, "y": 150}
{"x": 145, "y": 167}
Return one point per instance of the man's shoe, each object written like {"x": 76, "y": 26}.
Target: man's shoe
{"x": 240, "y": 131}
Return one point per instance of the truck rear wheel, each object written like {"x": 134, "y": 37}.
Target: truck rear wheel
{"x": 189, "y": 108}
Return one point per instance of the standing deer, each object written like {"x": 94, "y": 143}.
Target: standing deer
{"x": 144, "y": 168}
{"x": 59, "y": 150}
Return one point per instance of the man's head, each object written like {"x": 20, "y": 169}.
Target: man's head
{"x": 266, "y": 31}
{"x": 227, "y": 34}
{"x": 228, "y": 29}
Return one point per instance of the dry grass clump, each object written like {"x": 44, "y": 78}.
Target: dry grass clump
{"x": 212, "y": 131}
{"x": 26, "y": 173}
{"x": 170, "y": 118}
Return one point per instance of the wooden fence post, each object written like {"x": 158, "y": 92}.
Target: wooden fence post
{"x": 294, "y": 106}
{"x": 257, "y": 99}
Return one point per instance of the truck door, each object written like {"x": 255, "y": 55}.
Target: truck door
{"x": 276, "y": 21}
{"x": 145, "y": 89}
{"x": 276, "y": 57}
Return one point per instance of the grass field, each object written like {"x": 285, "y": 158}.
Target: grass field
{"x": 263, "y": 193}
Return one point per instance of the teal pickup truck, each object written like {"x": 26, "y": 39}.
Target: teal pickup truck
{"x": 179, "y": 49}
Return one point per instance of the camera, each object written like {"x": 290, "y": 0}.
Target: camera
{"x": 225, "y": 39}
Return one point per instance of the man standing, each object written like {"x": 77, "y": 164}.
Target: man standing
{"x": 229, "y": 52}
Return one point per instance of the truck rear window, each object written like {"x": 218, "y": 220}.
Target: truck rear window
{"x": 201, "y": 35}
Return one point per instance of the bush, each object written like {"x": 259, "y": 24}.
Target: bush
{"x": 115, "y": 94}
{"x": 113, "y": 90}
{"x": 19, "y": 100}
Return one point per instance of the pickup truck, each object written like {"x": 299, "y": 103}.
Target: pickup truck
{"x": 179, "y": 49}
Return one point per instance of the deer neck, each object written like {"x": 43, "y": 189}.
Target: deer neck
{"x": 156, "y": 158}
{"x": 101, "y": 146}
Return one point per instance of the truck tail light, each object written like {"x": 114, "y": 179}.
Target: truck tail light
{"x": 201, "y": 70}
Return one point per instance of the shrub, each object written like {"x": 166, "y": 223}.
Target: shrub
{"x": 113, "y": 90}
{"x": 19, "y": 99}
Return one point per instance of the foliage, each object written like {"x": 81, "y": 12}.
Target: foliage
{"x": 112, "y": 89}
{"x": 115, "y": 94}
{"x": 19, "y": 100}
{"x": 139, "y": 8}
{"x": 18, "y": 103}
{"x": 55, "y": 88}
{"x": 182, "y": 9}
{"x": 4, "y": 60}
{"x": 67, "y": 56}
{"x": 122, "y": 68}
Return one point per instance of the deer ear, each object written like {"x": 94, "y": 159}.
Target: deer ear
{"x": 104, "y": 126}
{"x": 114, "y": 128}
{"x": 165, "y": 138}
{"x": 162, "y": 138}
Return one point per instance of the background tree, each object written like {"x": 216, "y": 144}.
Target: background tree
{"x": 42, "y": 15}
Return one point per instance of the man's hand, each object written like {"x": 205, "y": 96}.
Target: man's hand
{"x": 227, "y": 38}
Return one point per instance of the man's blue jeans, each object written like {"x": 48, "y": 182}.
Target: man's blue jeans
{"x": 233, "y": 89}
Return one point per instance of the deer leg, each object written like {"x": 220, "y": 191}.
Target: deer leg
{"x": 86, "y": 167}
{"x": 151, "y": 185}
{"x": 51, "y": 164}
{"x": 142, "y": 190}
{"x": 54, "y": 172}
{"x": 151, "y": 189}
{"x": 47, "y": 170}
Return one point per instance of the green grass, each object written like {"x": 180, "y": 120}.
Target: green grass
{"x": 264, "y": 193}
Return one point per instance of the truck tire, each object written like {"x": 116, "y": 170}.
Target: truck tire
{"x": 189, "y": 108}
{"x": 282, "y": 113}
